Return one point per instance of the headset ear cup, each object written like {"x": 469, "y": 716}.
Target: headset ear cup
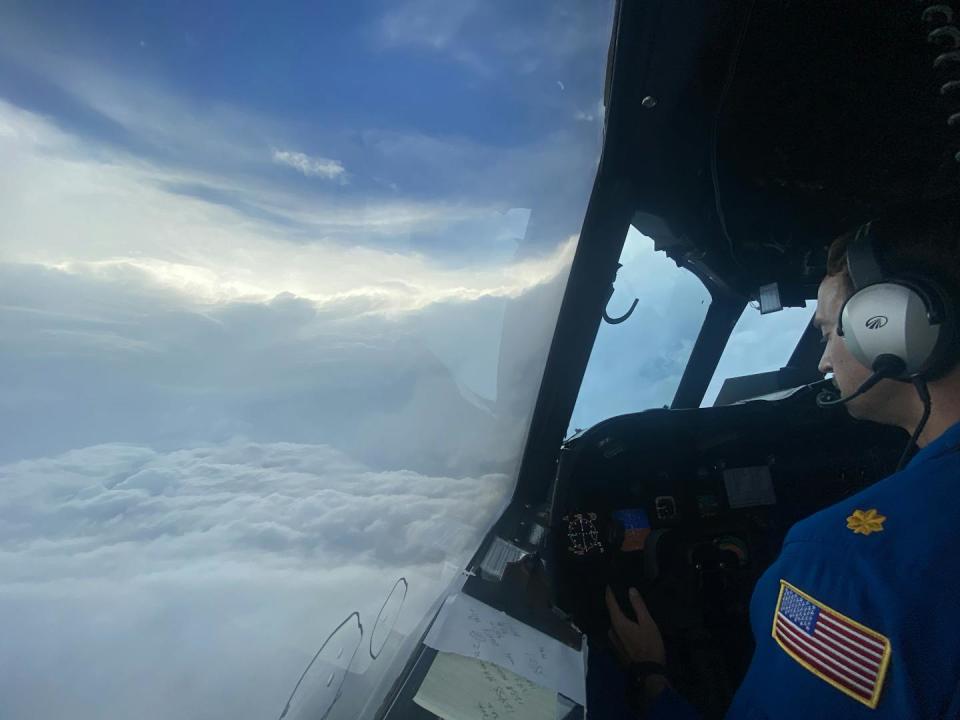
{"x": 943, "y": 307}
{"x": 846, "y": 328}
{"x": 890, "y": 319}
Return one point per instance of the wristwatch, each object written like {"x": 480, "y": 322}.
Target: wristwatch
{"x": 638, "y": 673}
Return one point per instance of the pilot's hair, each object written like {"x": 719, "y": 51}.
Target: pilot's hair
{"x": 919, "y": 239}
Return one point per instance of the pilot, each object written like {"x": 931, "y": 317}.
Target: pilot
{"x": 859, "y": 617}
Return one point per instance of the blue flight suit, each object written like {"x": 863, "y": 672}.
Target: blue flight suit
{"x": 898, "y": 578}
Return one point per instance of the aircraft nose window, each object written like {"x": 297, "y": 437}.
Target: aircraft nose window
{"x": 759, "y": 343}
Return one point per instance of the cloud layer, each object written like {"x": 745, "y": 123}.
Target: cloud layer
{"x": 273, "y": 466}
{"x": 109, "y": 354}
{"x": 106, "y": 213}
{"x": 154, "y": 584}
{"x": 274, "y": 460}
{"x": 218, "y": 443}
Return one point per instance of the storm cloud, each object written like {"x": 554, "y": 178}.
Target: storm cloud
{"x": 194, "y": 493}
{"x": 151, "y": 584}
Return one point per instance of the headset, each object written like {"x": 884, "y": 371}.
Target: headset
{"x": 902, "y": 326}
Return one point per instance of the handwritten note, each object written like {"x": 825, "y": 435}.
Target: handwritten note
{"x": 461, "y": 688}
{"x": 470, "y": 628}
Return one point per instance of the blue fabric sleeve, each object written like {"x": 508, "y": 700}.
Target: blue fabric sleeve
{"x": 954, "y": 710}
{"x": 670, "y": 706}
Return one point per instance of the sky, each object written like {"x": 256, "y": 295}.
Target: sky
{"x": 276, "y": 290}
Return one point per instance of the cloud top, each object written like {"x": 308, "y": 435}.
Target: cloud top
{"x": 310, "y": 166}
{"x": 199, "y": 582}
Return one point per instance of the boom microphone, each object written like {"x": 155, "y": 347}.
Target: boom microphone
{"x": 829, "y": 398}
{"x": 886, "y": 366}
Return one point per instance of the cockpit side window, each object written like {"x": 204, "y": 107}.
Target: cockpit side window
{"x": 637, "y": 364}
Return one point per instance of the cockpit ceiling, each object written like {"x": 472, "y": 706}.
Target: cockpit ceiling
{"x": 755, "y": 132}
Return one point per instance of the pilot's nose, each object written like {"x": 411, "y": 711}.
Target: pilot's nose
{"x": 825, "y": 365}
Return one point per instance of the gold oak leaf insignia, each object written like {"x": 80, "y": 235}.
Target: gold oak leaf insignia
{"x": 864, "y": 522}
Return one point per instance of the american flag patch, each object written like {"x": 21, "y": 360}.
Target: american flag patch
{"x": 849, "y": 656}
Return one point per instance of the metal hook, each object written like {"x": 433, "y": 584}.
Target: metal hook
{"x": 617, "y": 321}
{"x": 622, "y": 318}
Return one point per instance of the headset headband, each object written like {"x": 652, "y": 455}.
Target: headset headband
{"x": 862, "y": 265}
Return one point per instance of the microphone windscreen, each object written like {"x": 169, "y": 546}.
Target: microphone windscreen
{"x": 826, "y": 398}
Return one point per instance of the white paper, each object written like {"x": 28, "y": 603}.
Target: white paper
{"x": 468, "y": 627}
{"x": 461, "y": 688}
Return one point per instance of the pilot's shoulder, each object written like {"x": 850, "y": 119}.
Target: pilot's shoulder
{"x": 907, "y": 509}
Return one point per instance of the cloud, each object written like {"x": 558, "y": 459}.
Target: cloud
{"x": 144, "y": 315}
{"x": 590, "y": 116}
{"x": 219, "y": 442}
{"x": 108, "y": 353}
{"x": 116, "y": 215}
{"x": 124, "y": 109}
{"x": 198, "y": 583}
{"x": 426, "y": 22}
{"x": 310, "y": 166}
{"x": 197, "y": 487}
{"x": 447, "y": 187}
{"x": 194, "y": 493}
{"x": 76, "y": 514}
{"x": 237, "y": 148}
{"x": 760, "y": 343}
{"x": 489, "y": 40}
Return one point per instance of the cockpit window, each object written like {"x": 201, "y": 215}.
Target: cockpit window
{"x": 637, "y": 364}
{"x": 759, "y": 343}
{"x": 277, "y": 286}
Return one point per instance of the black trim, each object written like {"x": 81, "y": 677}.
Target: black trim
{"x": 722, "y": 317}
{"x": 806, "y": 355}
{"x": 594, "y": 267}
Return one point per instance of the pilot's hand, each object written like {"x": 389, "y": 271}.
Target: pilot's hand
{"x": 638, "y": 641}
